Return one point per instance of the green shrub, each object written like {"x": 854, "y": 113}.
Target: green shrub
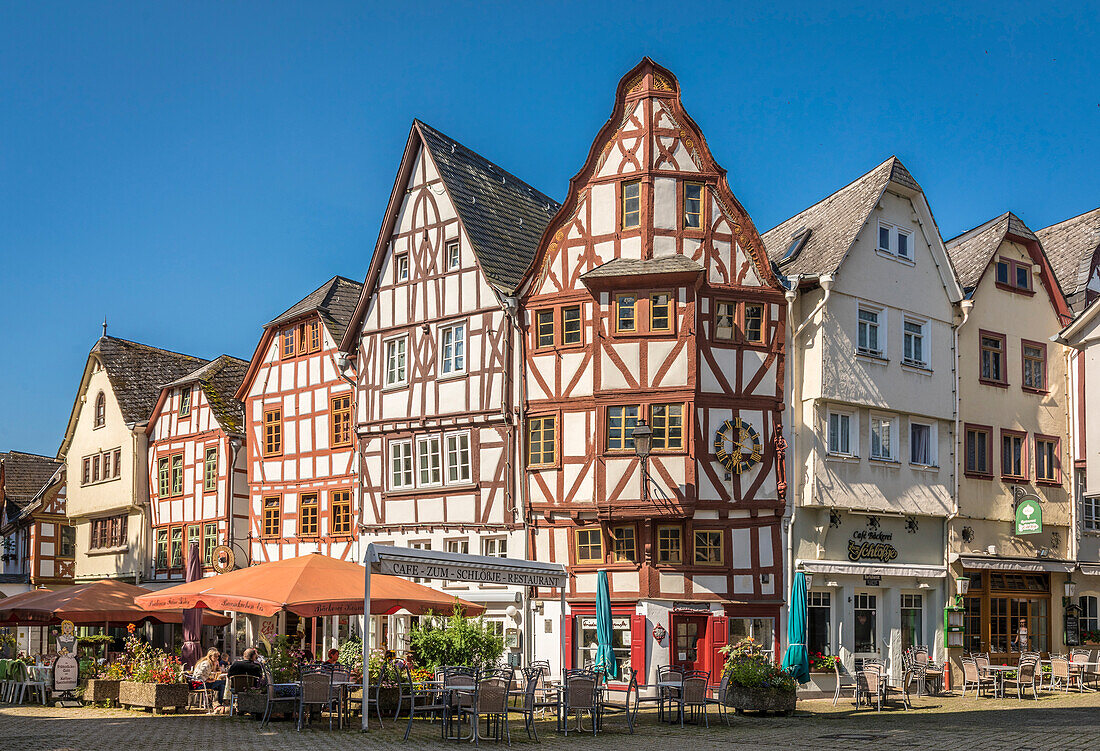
{"x": 750, "y": 666}
{"x": 456, "y": 640}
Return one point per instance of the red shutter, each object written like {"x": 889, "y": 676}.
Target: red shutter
{"x": 569, "y": 621}
{"x": 638, "y": 638}
{"x": 719, "y": 635}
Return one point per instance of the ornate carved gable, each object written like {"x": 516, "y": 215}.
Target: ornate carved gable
{"x": 650, "y": 146}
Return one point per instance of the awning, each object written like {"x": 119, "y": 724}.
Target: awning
{"x": 1089, "y": 569}
{"x": 1030, "y": 565}
{"x": 873, "y": 569}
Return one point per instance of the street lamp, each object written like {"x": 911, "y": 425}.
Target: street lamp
{"x": 1071, "y": 588}
{"x": 962, "y": 586}
{"x": 643, "y": 439}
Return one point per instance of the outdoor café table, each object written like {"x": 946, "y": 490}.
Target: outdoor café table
{"x": 999, "y": 672}
{"x": 675, "y": 685}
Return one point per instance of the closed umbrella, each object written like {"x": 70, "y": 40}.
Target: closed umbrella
{"x": 605, "y": 651}
{"x": 797, "y": 659}
{"x": 192, "y": 617}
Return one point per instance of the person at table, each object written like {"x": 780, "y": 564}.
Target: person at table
{"x": 208, "y": 672}
{"x": 333, "y": 657}
{"x": 247, "y": 665}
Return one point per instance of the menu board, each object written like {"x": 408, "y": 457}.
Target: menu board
{"x": 1072, "y": 629}
{"x": 66, "y": 673}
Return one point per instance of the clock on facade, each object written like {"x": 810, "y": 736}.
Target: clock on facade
{"x": 737, "y": 445}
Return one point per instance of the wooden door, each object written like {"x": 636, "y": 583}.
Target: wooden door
{"x": 689, "y": 634}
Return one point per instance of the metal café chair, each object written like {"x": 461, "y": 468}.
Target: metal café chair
{"x": 237, "y": 684}
{"x": 274, "y": 701}
{"x": 426, "y": 701}
{"x": 534, "y": 699}
{"x": 315, "y": 690}
{"x": 489, "y": 699}
{"x": 693, "y": 695}
{"x": 1061, "y": 675}
{"x": 611, "y": 704}
{"x": 718, "y": 695}
{"x": 580, "y": 695}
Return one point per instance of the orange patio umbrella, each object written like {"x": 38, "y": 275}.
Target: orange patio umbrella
{"x": 313, "y": 585}
{"x": 94, "y": 603}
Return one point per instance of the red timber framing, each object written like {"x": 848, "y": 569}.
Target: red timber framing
{"x": 437, "y": 430}
{"x": 719, "y": 359}
{"x": 295, "y": 375}
{"x": 198, "y": 488}
{"x": 40, "y": 538}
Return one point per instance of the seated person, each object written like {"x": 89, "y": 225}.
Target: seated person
{"x": 208, "y": 672}
{"x": 333, "y": 657}
{"x": 247, "y": 665}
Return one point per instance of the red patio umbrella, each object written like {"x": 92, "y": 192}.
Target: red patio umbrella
{"x": 106, "y": 601}
{"x": 310, "y": 585}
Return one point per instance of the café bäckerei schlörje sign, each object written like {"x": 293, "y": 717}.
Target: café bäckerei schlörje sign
{"x": 1029, "y": 516}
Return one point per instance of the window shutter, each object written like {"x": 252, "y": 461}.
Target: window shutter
{"x": 719, "y": 632}
{"x": 637, "y": 645}
{"x": 569, "y": 621}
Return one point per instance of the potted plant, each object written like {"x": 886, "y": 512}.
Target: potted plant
{"x": 756, "y": 682}
{"x": 154, "y": 680}
{"x": 1091, "y": 637}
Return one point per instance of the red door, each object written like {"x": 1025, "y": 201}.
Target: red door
{"x": 689, "y": 636}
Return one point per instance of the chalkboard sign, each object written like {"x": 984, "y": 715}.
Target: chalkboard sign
{"x": 66, "y": 673}
{"x": 1072, "y": 628}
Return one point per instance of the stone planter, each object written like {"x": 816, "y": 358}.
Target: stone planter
{"x": 254, "y": 704}
{"x": 101, "y": 690}
{"x": 761, "y": 699}
{"x": 822, "y": 685}
{"x": 155, "y": 696}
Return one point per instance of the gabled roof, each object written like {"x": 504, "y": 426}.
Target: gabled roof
{"x": 1070, "y": 246}
{"x": 25, "y": 474}
{"x": 618, "y": 267}
{"x": 1074, "y": 335}
{"x": 137, "y": 372}
{"x": 503, "y": 216}
{"x": 830, "y": 227}
{"x": 219, "y": 379}
{"x": 972, "y": 251}
{"x": 335, "y": 300}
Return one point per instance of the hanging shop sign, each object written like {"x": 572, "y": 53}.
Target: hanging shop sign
{"x": 659, "y": 634}
{"x": 223, "y": 559}
{"x": 1029, "y": 516}
{"x": 871, "y": 545}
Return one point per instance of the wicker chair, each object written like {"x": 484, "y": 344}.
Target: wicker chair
{"x": 581, "y": 695}
{"x": 693, "y": 695}
{"x": 489, "y": 699}
{"x": 237, "y": 684}
{"x": 611, "y": 704}
{"x": 929, "y": 674}
{"x": 1077, "y": 659}
{"x": 718, "y": 695}
{"x": 1027, "y": 674}
{"x": 1061, "y": 675}
{"x": 274, "y": 702}
{"x": 844, "y": 680}
{"x": 316, "y": 691}
{"x": 972, "y": 676}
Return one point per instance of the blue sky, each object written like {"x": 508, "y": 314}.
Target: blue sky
{"x": 190, "y": 169}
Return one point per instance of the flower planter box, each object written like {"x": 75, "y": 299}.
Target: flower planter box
{"x": 155, "y": 696}
{"x": 760, "y": 699}
{"x": 821, "y": 685}
{"x": 254, "y": 704}
{"x": 102, "y": 690}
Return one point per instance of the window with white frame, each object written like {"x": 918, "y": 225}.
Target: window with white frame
{"x": 494, "y": 547}
{"x": 401, "y": 465}
{"x": 882, "y": 437}
{"x": 401, "y": 267}
{"x": 396, "y": 364}
{"x": 1090, "y": 513}
{"x": 454, "y": 258}
{"x": 922, "y": 444}
{"x": 872, "y": 321}
{"x": 915, "y": 342}
{"x": 452, "y": 349}
{"x": 458, "y": 545}
{"x": 429, "y": 461}
{"x": 1090, "y": 618}
{"x": 458, "y": 457}
{"x": 896, "y": 241}
{"x": 840, "y": 434}
{"x": 819, "y": 611}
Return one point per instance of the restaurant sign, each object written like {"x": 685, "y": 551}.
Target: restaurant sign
{"x": 471, "y": 574}
{"x": 871, "y": 545}
{"x": 1029, "y": 516}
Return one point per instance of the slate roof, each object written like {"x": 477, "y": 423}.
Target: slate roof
{"x": 833, "y": 223}
{"x": 972, "y": 251}
{"x": 335, "y": 300}
{"x": 24, "y": 476}
{"x": 1070, "y": 246}
{"x": 219, "y": 379}
{"x": 503, "y": 216}
{"x": 617, "y": 267}
{"x": 137, "y": 372}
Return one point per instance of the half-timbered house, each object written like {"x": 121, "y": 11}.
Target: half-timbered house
{"x": 436, "y": 349}
{"x": 651, "y": 300}
{"x": 105, "y": 450}
{"x": 198, "y": 470}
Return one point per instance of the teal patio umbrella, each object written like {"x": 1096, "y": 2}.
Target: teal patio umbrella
{"x": 797, "y": 659}
{"x": 605, "y": 653}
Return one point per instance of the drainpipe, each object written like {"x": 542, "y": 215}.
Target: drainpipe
{"x": 791, "y": 513}
{"x": 966, "y": 306}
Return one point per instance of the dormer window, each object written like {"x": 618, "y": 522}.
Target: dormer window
{"x": 185, "y": 402}
{"x": 100, "y": 410}
{"x": 632, "y": 204}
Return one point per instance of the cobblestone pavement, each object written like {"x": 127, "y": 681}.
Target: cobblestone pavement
{"x": 1053, "y": 722}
